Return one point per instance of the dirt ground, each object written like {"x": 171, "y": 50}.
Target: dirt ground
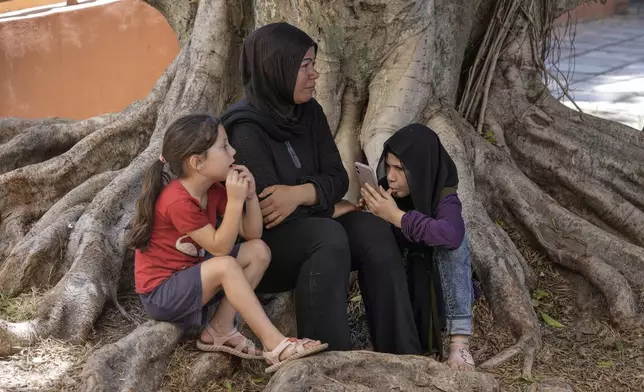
{"x": 580, "y": 347}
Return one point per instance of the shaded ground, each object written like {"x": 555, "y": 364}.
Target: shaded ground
{"x": 585, "y": 351}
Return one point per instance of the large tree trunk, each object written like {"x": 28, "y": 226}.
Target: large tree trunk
{"x": 472, "y": 70}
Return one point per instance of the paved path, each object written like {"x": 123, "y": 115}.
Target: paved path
{"x": 604, "y": 65}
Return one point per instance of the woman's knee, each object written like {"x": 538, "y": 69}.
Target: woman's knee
{"x": 371, "y": 239}
{"x": 331, "y": 234}
{"x": 330, "y": 248}
{"x": 331, "y": 238}
{"x": 367, "y": 226}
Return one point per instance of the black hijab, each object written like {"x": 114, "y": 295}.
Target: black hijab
{"x": 431, "y": 174}
{"x": 270, "y": 62}
{"x": 430, "y": 171}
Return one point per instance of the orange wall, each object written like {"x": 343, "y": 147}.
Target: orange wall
{"x": 595, "y": 10}
{"x": 82, "y": 62}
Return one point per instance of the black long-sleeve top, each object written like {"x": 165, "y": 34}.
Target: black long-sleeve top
{"x": 311, "y": 157}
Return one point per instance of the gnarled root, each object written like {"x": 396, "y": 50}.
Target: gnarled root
{"x": 137, "y": 362}
{"x": 37, "y": 258}
{"x": 12, "y": 126}
{"x": 40, "y": 143}
{"x": 591, "y": 166}
{"x": 588, "y": 215}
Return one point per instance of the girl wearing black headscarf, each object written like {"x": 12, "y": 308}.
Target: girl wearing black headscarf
{"x": 281, "y": 134}
{"x": 418, "y": 197}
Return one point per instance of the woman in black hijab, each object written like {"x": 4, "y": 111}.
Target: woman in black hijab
{"x": 281, "y": 134}
{"x": 418, "y": 197}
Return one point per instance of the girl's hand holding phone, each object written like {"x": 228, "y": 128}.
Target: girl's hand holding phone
{"x": 382, "y": 204}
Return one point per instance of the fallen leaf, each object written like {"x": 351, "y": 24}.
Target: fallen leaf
{"x": 550, "y": 321}
{"x": 539, "y": 294}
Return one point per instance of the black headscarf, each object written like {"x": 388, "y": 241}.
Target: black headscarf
{"x": 431, "y": 174}
{"x": 269, "y": 63}
{"x": 428, "y": 167}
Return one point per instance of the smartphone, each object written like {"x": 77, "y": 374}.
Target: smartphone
{"x": 366, "y": 175}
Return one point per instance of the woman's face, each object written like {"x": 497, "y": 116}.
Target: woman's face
{"x": 305, "y": 83}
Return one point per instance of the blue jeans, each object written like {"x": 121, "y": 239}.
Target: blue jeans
{"x": 456, "y": 283}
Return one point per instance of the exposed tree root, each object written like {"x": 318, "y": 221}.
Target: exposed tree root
{"x": 37, "y": 259}
{"x": 606, "y": 191}
{"x": 366, "y": 371}
{"x": 12, "y": 126}
{"x": 565, "y": 237}
{"x": 137, "y": 362}
{"x": 211, "y": 366}
{"x": 591, "y": 166}
{"x": 40, "y": 143}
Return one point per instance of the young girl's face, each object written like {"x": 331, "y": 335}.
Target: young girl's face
{"x": 396, "y": 176}
{"x": 218, "y": 158}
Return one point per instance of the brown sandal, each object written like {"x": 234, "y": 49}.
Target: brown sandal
{"x": 299, "y": 351}
{"x": 218, "y": 344}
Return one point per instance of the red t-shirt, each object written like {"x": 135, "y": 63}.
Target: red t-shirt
{"x": 170, "y": 249}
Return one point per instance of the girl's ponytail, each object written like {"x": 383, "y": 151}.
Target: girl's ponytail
{"x": 153, "y": 183}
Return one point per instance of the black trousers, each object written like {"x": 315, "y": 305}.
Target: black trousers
{"x": 315, "y": 256}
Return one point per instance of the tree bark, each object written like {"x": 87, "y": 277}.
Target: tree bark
{"x": 472, "y": 71}
{"x": 366, "y": 371}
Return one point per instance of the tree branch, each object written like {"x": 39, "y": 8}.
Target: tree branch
{"x": 180, "y": 15}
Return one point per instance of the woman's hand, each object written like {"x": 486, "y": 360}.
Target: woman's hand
{"x": 280, "y": 202}
{"x": 343, "y": 207}
{"x": 382, "y": 204}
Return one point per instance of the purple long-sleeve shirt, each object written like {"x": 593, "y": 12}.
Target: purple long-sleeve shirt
{"x": 446, "y": 230}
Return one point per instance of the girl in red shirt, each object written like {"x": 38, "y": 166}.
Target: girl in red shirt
{"x": 182, "y": 261}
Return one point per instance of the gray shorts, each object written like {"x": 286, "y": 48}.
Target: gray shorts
{"x": 178, "y": 298}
